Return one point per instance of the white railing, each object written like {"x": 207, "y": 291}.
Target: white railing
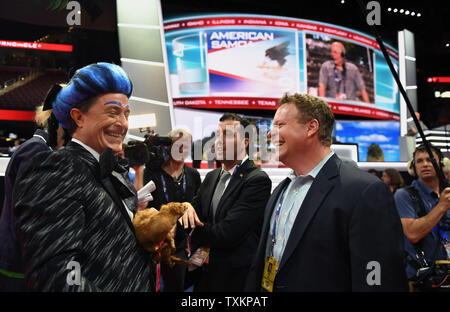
{"x": 276, "y": 174}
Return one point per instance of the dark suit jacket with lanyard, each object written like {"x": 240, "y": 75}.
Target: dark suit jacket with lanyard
{"x": 347, "y": 220}
{"x": 167, "y": 190}
{"x": 67, "y": 212}
{"x": 10, "y": 256}
{"x": 234, "y": 233}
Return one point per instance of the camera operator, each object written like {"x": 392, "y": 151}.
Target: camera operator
{"x": 175, "y": 182}
{"x": 137, "y": 175}
{"x": 134, "y": 177}
{"x": 423, "y": 212}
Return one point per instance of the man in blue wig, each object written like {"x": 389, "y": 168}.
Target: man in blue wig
{"x": 74, "y": 207}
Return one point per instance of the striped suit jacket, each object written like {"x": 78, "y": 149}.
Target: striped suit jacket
{"x": 67, "y": 215}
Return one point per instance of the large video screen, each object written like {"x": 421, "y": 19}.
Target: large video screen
{"x": 381, "y": 136}
{"x": 249, "y": 62}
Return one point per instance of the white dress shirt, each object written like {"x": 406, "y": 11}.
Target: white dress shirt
{"x": 295, "y": 193}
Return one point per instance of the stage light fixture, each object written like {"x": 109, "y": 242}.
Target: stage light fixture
{"x": 406, "y": 12}
{"x": 395, "y": 10}
{"x": 389, "y": 9}
{"x": 401, "y": 11}
{"x": 413, "y": 13}
{"x": 419, "y": 15}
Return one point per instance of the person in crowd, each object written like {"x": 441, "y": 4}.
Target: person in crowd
{"x": 374, "y": 172}
{"x": 136, "y": 176}
{"x": 133, "y": 175}
{"x": 230, "y": 203}
{"x": 74, "y": 210}
{"x": 411, "y": 126}
{"x": 328, "y": 226}
{"x": 340, "y": 79}
{"x": 176, "y": 182}
{"x": 375, "y": 153}
{"x": 15, "y": 146}
{"x": 446, "y": 171}
{"x": 45, "y": 138}
{"x": 204, "y": 150}
{"x": 446, "y": 168}
{"x": 424, "y": 212}
{"x": 393, "y": 179}
{"x": 196, "y": 159}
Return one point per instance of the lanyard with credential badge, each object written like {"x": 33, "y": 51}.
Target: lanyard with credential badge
{"x": 165, "y": 187}
{"x": 438, "y": 231}
{"x": 275, "y": 221}
{"x": 271, "y": 264}
{"x": 338, "y": 81}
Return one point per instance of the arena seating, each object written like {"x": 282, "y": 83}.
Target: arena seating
{"x": 12, "y": 72}
{"x": 31, "y": 94}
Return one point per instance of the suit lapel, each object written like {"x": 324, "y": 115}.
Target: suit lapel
{"x": 108, "y": 186}
{"x": 85, "y": 156}
{"x": 236, "y": 179}
{"x": 209, "y": 191}
{"x": 321, "y": 186}
{"x": 93, "y": 165}
{"x": 127, "y": 189}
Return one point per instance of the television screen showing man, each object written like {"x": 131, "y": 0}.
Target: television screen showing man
{"x": 339, "y": 78}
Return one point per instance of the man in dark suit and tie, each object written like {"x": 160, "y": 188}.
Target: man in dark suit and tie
{"x": 74, "y": 207}
{"x": 329, "y": 226}
{"x": 230, "y": 203}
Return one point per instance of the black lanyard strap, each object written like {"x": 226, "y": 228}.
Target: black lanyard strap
{"x": 166, "y": 194}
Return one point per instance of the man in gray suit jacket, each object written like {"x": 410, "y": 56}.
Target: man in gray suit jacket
{"x": 329, "y": 226}
{"x": 74, "y": 209}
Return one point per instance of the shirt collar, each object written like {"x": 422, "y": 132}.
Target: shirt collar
{"x": 231, "y": 171}
{"x": 315, "y": 171}
{"x": 88, "y": 148}
{"x": 422, "y": 186}
{"x": 319, "y": 166}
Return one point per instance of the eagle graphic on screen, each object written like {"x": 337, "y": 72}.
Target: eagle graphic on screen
{"x": 278, "y": 53}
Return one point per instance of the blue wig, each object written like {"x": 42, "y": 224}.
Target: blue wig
{"x": 86, "y": 83}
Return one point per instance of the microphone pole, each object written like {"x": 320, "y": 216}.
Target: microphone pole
{"x": 442, "y": 181}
